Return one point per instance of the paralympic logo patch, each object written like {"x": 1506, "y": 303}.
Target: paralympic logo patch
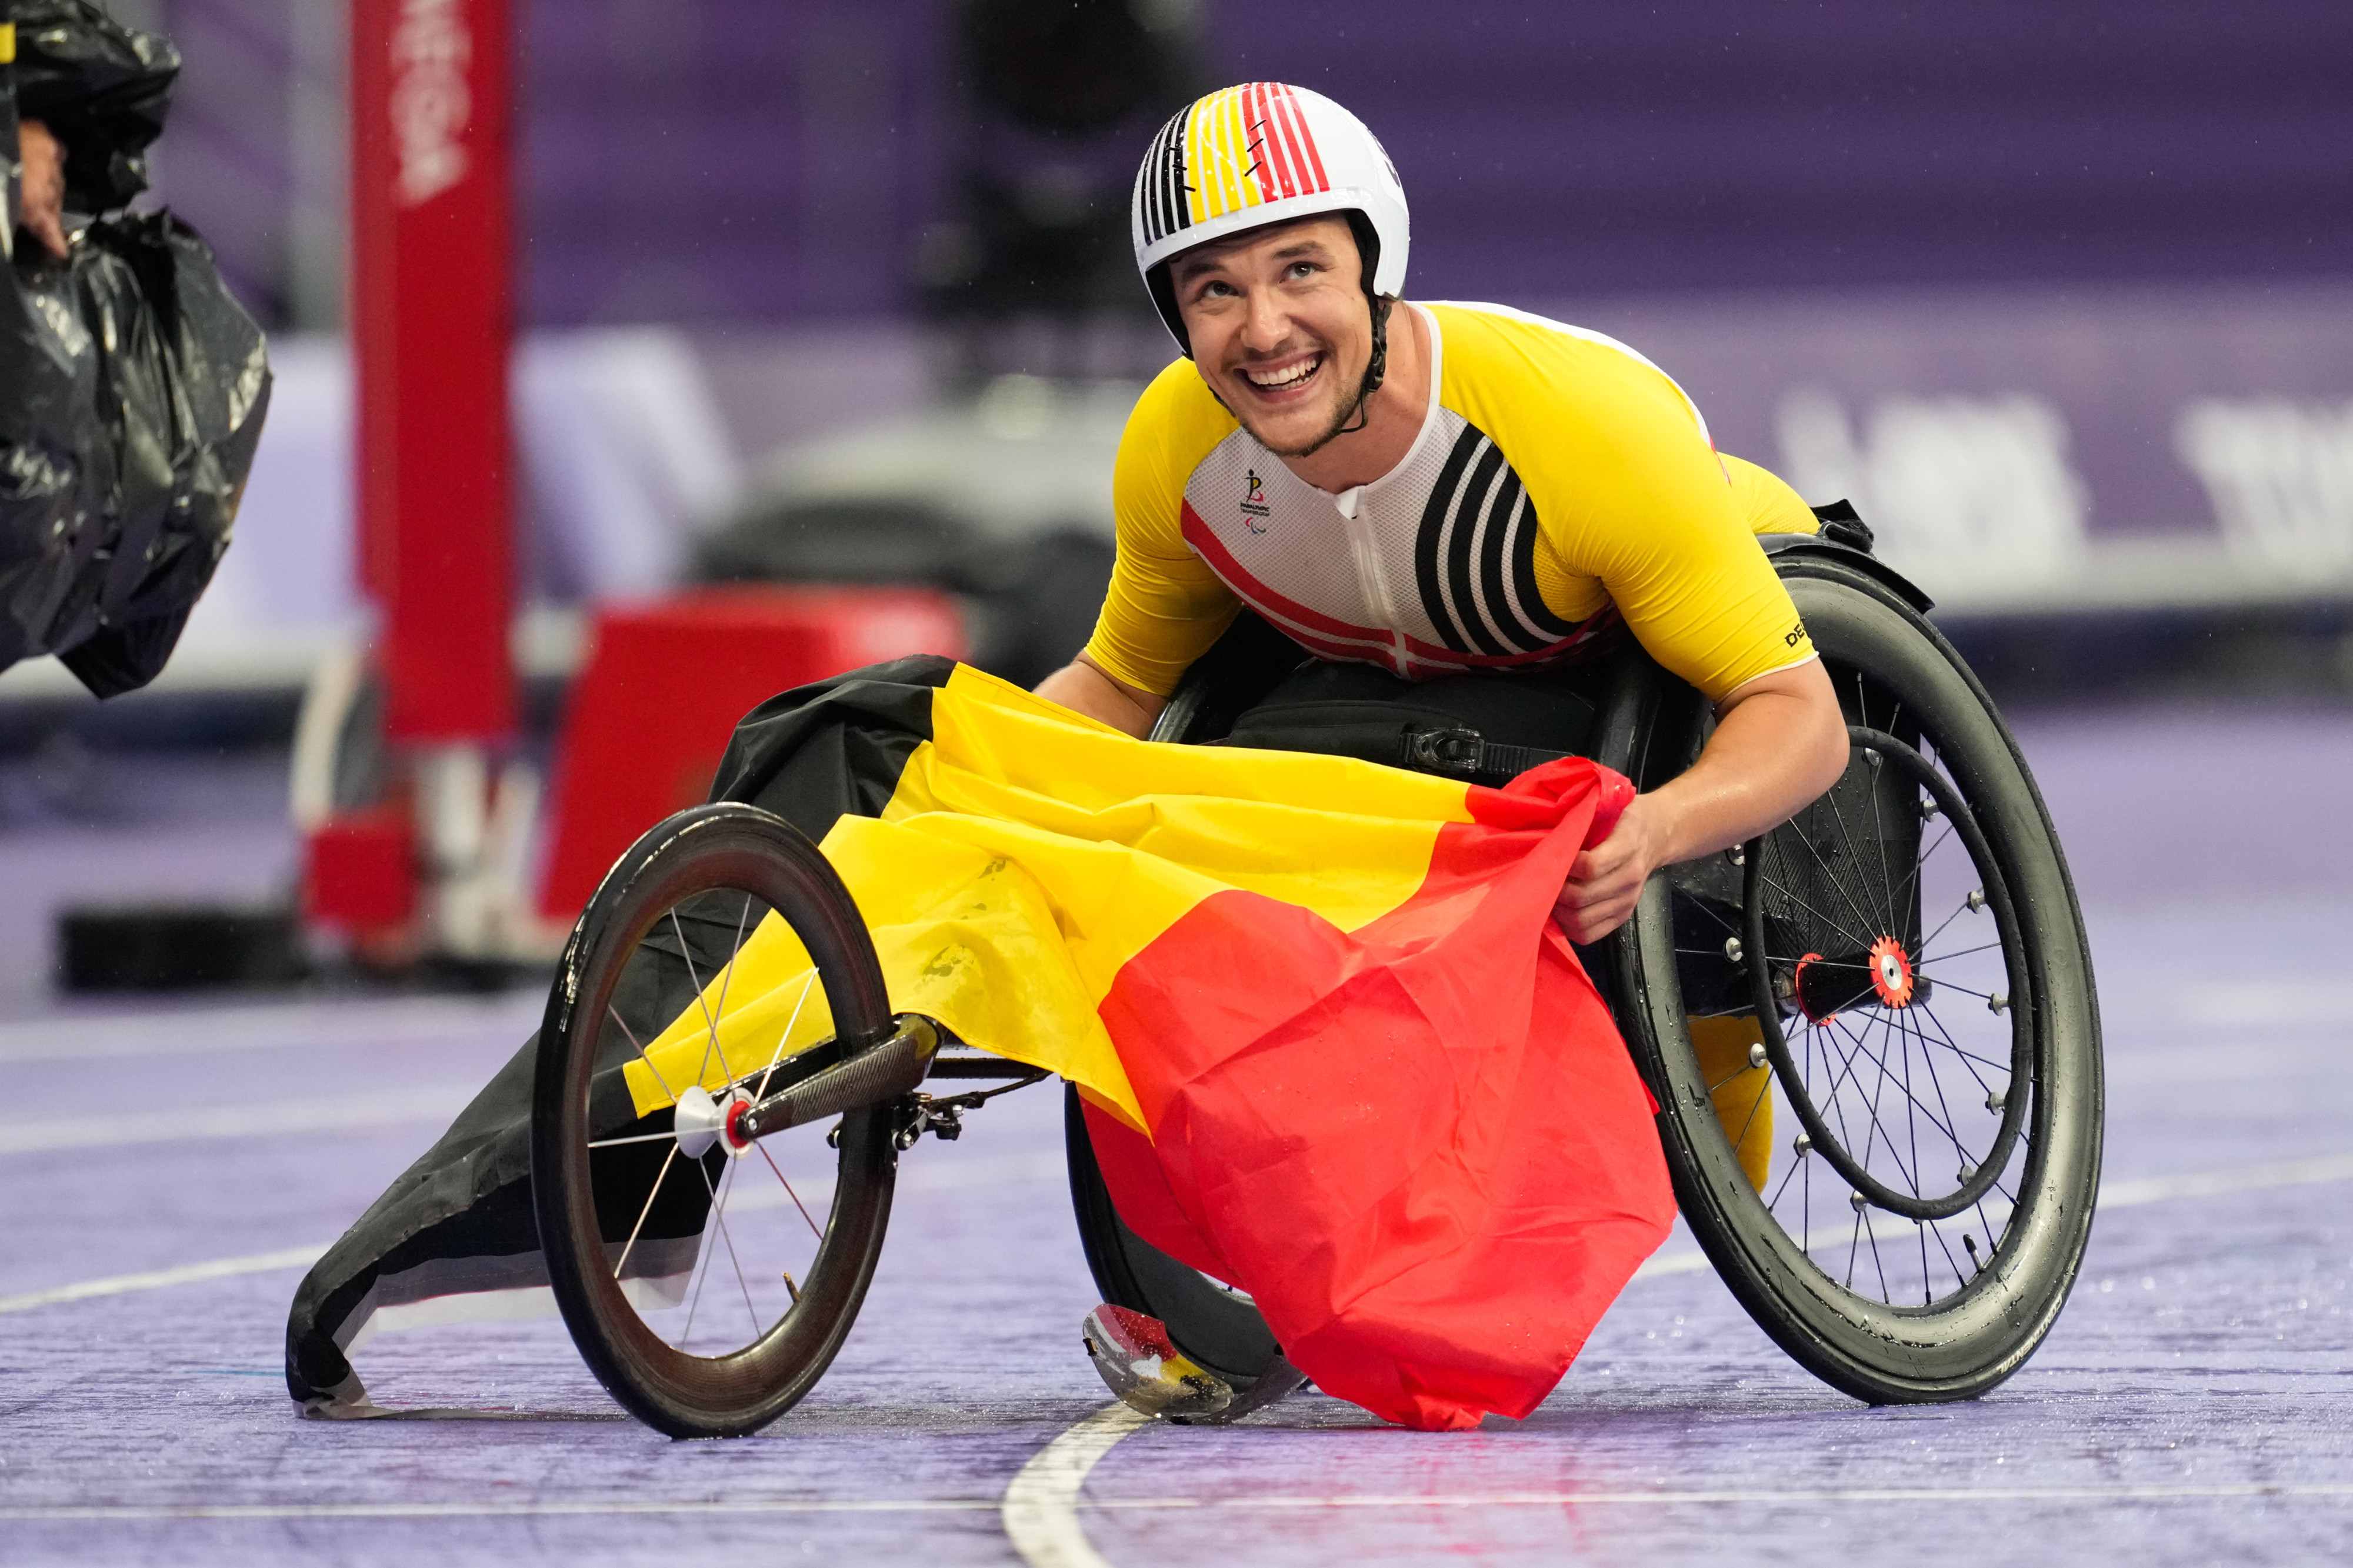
{"x": 1253, "y": 503}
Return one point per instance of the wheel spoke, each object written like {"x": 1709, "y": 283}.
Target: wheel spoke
{"x": 701, "y": 1278}
{"x": 1951, "y": 1123}
{"x": 726, "y": 978}
{"x": 640, "y": 1138}
{"x": 1938, "y": 843}
{"x": 1763, "y": 1089}
{"x": 1877, "y": 1090}
{"x": 1953, "y": 1045}
{"x": 711, "y": 1024}
{"x": 651, "y": 1193}
{"x": 1958, "y": 911}
{"x": 815, "y": 1229}
{"x": 1802, "y": 905}
{"x": 614, "y": 1013}
{"x": 1923, "y": 961}
{"x": 719, "y": 1212}
{"x": 786, "y": 1038}
{"x": 1886, "y": 1076}
{"x": 1878, "y": 1265}
{"x": 1846, "y": 837}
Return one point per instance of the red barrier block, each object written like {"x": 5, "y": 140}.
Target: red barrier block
{"x": 360, "y": 869}
{"x": 664, "y": 685}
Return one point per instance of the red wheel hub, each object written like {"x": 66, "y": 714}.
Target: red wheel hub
{"x": 1891, "y": 972}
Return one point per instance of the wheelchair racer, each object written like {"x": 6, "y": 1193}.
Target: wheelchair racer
{"x": 1433, "y": 490}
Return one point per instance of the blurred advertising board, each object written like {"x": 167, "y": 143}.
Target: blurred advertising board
{"x": 2041, "y": 452}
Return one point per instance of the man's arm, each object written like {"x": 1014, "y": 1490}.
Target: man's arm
{"x": 1083, "y": 686}
{"x": 1779, "y": 741}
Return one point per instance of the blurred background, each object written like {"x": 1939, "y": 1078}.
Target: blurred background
{"x": 838, "y": 292}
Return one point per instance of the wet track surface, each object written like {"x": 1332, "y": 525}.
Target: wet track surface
{"x": 2195, "y": 1402}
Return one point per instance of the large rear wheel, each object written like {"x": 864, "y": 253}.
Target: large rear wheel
{"x": 1887, "y": 1005}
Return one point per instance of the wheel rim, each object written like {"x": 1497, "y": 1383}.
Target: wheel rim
{"x": 709, "y": 1280}
{"x": 1850, "y": 1008}
{"x": 1885, "y": 1097}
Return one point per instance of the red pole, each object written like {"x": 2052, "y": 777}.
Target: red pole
{"x": 431, "y": 321}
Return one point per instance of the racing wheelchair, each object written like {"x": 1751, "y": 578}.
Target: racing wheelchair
{"x": 1896, "y": 983}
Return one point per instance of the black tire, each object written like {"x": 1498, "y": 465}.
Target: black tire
{"x": 626, "y": 1224}
{"x": 1213, "y": 1324}
{"x": 1960, "y": 1250}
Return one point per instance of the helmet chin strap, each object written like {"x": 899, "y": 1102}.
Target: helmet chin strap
{"x": 1377, "y": 368}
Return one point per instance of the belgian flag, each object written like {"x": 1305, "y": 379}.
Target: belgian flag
{"x": 1332, "y": 1047}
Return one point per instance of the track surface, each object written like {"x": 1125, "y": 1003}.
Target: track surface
{"x": 2193, "y": 1406}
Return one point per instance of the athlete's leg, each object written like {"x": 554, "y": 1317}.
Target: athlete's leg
{"x": 1741, "y": 1088}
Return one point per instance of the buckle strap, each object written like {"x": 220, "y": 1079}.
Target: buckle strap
{"x": 1464, "y": 754}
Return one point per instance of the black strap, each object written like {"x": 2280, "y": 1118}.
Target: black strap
{"x": 1464, "y": 754}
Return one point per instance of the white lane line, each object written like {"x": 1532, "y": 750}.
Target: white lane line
{"x": 1672, "y": 1263}
{"x": 704, "y": 1506}
{"x": 69, "y": 1511}
{"x": 1041, "y": 1507}
{"x": 156, "y": 1279}
{"x": 2131, "y": 1194}
{"x": 1011, "y": 1170}
{"x": 104, "y": 1127}
{"x": 2213, "y": 1183}
{"x": 1050, "y": 1506}
{"x": 314, "y": 1026}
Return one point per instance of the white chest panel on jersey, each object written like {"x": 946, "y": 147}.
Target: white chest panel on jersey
{"x": 1429, "y": 569}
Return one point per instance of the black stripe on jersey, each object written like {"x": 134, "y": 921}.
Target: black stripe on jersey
{"x": 1533, "y": 613}
{"x": 1427, "y": 545}
{"x": 1164, "y": 207}
{"x": 1475, "y": 557}
{"x": 1495, "y": 535}
{"x": 1467, "y": 533}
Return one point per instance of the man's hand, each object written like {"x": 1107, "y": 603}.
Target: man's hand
{"x": 1780, "y": 743}
{"x": 1607, "y": 877}
{"x": 41, "y": 200}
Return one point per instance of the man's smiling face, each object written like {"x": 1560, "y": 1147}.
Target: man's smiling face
{"x": 1280, "y": 328}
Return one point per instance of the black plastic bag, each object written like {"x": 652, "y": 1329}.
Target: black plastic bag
{"x": 101, "y": 87}
{"x": 133, "y": 389}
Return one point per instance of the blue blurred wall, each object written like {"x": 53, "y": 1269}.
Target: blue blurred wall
{"x": 739, "y": 158}
{"x": 760, "y": 160}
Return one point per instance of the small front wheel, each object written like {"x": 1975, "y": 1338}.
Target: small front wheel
{"x": 709, "y": 1281}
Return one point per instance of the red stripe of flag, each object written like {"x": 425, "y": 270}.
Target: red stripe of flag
{"x": 1421, "y": 1145}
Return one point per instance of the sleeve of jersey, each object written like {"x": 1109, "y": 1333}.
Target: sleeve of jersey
{"x": 1765, "y": 499}
{"x": 1627, "y": 490}
{"x": 1665, "y": 534}
{"x": 1165, "y": 606}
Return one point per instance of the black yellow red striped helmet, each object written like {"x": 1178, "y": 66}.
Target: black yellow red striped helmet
{"x": 1260, "y": 154}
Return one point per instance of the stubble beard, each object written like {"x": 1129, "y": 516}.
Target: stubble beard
{"x": 1348, "y": 404}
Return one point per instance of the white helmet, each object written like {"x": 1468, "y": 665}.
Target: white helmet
{"x": 1260, "y": 154}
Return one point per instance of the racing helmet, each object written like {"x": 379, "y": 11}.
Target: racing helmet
{"x": 1259, "y": 153}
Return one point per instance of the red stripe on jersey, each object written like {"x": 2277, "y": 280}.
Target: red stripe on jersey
{"x": 1212, "y": 549}
{"x": 1587, "y": 630}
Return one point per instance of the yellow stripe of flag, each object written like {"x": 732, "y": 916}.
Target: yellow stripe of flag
{"x": 1027, "y": 855}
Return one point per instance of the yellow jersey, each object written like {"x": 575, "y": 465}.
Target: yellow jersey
{"x": 1560, "y": 484}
